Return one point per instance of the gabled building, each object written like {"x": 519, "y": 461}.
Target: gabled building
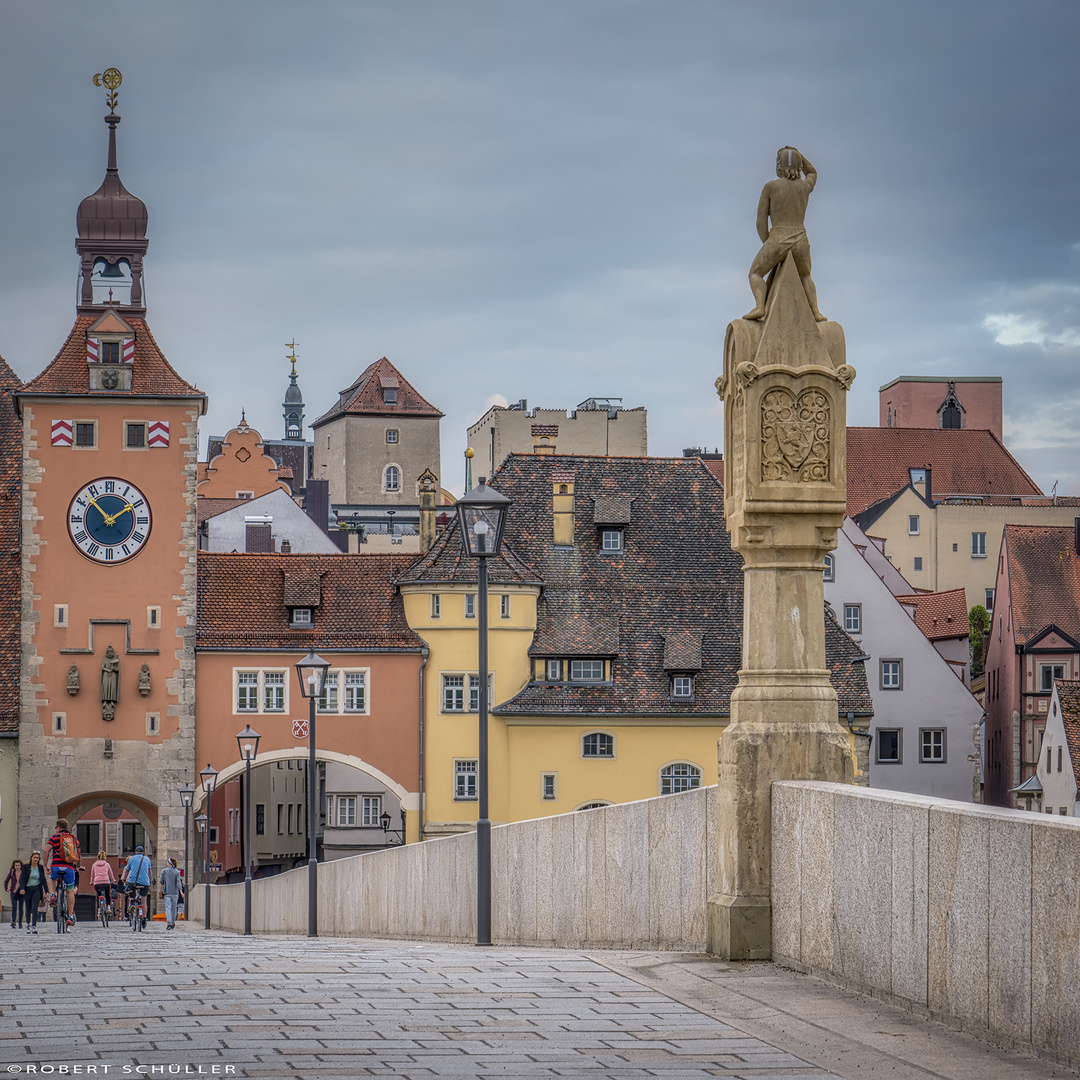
{"x": 1059, "y": 762}
{"x": 615, "y": 625}
{"x": 238, "y": 467}
{"x": 263, "y": 525}
{"x": 1033, "y": 640}
{"x": 109, "y": 453}
{"x": 943, "y": 619}
{"x": 940, "y": 500}
{"x": 938, "y": 401}
{"x": 926, "y": 725}
{"x": 373, "y": 446}
{"x": 258, "y": 615}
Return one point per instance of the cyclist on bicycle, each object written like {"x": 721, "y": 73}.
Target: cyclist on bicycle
{"x": 137, "y": 873}
{"x": 103, "y": 878}
{"x": 60, "y": 862}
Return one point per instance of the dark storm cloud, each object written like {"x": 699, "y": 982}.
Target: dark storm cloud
{"x": 557, "y": 200}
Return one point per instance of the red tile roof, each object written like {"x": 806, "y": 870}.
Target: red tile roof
{"x": 1069, "y": 696}
{"x": 965, "y": 461}
{"x": 940, "y": 615}
{"x": 10, "y": 560}
{"x": 207, "y": 508}
{"x": 152, "y": 375}
{"x": 242, "y": 602}
{"x": 365, "y": 396}
{"x": 1044, "y": 580}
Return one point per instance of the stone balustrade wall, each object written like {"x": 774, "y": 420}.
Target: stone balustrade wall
{"x": 635, "y": 875}
{"x": 967, "y": 912}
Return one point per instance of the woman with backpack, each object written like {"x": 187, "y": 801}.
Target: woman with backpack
{"x": 13, "y": 889}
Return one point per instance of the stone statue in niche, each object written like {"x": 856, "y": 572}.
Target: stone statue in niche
{"x": 110, "y": 684}
{"x": 783, "y": 204}
{"x": 795, "y": 436}
{"x": 73, "y": 680}
{"x": 144, "y": 679}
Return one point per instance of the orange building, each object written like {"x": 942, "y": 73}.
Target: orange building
{"x": 242, "y": 470}
{"x": 110, "y": 440}
{"x": 258, "y": 615}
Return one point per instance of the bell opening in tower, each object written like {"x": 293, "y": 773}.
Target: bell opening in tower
{"x": 111, "y": 282}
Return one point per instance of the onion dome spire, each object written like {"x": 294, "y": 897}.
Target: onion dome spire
{"x": 111, "y": 232}
{"x": 294, "y": 401}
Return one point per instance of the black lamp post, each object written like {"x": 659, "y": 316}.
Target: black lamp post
{"x": 208, "y": 777}
{"x": 481, "y": 518}
{"x": 311, "y": 671}
{"x": 248, "y": 741}
{"x": 200, "y": 824}
{"x": 187, "y": 796}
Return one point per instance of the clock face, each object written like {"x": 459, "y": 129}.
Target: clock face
{"x": 109, "y": 520}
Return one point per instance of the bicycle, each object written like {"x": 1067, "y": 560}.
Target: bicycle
{"x": 60, "y": 908}
{"x": 103, "y": 910}
{"x": 138, "y": 919}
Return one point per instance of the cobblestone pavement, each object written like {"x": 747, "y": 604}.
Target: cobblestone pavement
{"x": 189, "y": 1003}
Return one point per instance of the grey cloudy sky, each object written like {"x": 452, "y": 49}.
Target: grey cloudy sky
{"x": 555, "y": 199}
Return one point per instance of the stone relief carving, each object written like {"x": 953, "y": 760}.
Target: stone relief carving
{"x": 110, "y": 684}
{"x": 795, "y": 436}
{"x": 144, "y": 680}
{"x": 73, "y": 680}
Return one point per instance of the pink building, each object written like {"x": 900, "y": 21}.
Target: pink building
{"x": 935, "y": 401}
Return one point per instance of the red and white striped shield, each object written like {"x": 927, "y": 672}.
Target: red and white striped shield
{"x": 61, "y": 432}
{"x": 158, "y": 433}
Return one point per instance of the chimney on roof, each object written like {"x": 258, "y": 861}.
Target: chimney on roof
{"x": 562, "y": 507}
{"x": 317, "y": 503}
{"x": 286, "y": 547}
{"x": 544, "y": 436}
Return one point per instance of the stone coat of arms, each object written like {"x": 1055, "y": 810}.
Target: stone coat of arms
{"x": 795, "y": 436}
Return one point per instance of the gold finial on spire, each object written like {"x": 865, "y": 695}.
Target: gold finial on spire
{"x": 111, "y": 80}
{"x": 291, "y": 346}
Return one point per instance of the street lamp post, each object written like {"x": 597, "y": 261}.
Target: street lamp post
{"x": 311, "y": 671}
{"x": 481, "y": 518}
{"x": 248, "y": 741}
{"x": 187, "y": 795}
{"x": 200, "y": 824}
{"x": 384, "y": 821}
{"x": 208, "y": 777}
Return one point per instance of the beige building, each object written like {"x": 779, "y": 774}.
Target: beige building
{"x": 598, "y": 427}
{"x": 373, "y": 446}
{"x": 953, "y": 542}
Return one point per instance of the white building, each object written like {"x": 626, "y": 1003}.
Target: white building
{"x": 926, "y": 722}
{"x": 1059, "y": 759}
{"x": 261, "y": 525}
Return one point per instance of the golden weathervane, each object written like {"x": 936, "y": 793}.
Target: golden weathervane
{"x": 110, "y": 79}
{"x": 291, "y": 346}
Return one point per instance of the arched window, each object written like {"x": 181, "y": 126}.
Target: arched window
{"x": 679, "y": 776}
{"x": 392, "y": 478}
{"x": 830, "y": 568}
{"x": 598, "y": 744}
{"x": 591, "y": 806}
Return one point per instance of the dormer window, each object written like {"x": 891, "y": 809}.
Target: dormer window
{"x": 611, "y": 539}
{"x": 109, "y": 352}
{"x": 389, "y": 396}
{"x": 301, "y": 618}
{"x": 682, "y": 686}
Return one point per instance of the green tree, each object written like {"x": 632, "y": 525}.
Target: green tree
{"x": 978, "y": 623}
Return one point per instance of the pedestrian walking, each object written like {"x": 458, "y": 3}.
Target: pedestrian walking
{"x": 15, "y": 892}
{"x": 170, "y": 892}
{"x": 33, "y": 884}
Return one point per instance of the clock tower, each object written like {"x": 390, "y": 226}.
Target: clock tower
{"x": 110, "y": 441}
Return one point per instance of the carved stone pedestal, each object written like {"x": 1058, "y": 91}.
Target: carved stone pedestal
{"x": 784, "y": 388}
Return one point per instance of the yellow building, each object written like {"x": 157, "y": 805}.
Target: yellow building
{"x": 615, "y": 615}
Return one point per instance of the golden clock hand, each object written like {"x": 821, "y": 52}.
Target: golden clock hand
{"x": 110, "y": 519}
{"x": 93, "y": 503}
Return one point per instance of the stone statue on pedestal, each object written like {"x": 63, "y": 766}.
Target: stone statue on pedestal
{"x": 780, "y": 224}
{"x": 110, "y": 684}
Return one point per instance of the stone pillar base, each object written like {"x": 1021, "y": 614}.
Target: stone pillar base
{"x": 738, "y": 927}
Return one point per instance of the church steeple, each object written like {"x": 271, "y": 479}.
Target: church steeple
{"x": 111, "y": 232}
{"x": 294, "y": 402}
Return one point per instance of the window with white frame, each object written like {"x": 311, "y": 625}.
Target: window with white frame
{"x": 598, "y": 744}
{"x": 346, "y": 811}
{"x": 328, "y": 699}
{"x": 892, "y": 674}
{"x": 436, "y": 606}
{"x": 586, "y": 670}
{"x": 273, "y": 691}
{"x": 932, "y": 745}
{"x": 988, "y": 599}
{"x": 548, "y": 785}
{"x": 470, "y": 605}
{"x": 465, "y": 779}
{"x": 371, "y": 806}
{"x": 247, "y": 691}
{"x": 611, "y": 539}
{"x": 504, "y": 606}
{"x": 301, "y": 616}
{"x": 391, "y": 478}
{"x": 978, "y": 545}
{"x": 454, "y": 693}
{"x": 1048, "y": 673}
{"x": 679, "y": 776}
{"x": 554, "y": 670}
{"x": 682, "y": 686}
{"x": 355, "y": 691}
{"x": 913, "y": 524}
{"x": 391, "y": 435}
{"x": 853, "y": 618}
{"x": 830, "y": 567}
